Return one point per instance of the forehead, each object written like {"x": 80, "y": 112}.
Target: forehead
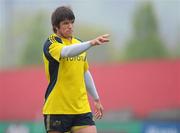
{"x": 67, "y": 21}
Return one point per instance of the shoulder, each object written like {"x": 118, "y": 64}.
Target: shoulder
{"x": 77, "y": 39}
{"x": 51, "y": 42}
{"x": 53, "y": 38}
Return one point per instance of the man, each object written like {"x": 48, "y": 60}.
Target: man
{"x": 66, "y": 107}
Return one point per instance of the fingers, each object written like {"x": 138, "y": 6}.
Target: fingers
{"x": 98, "y": 115}
{"x": 100, "y": 40}
{"x": 98, "y": 109}
{"x": 99, "y": 112}
{"x": 103, "y": 40}
{"x": 105, "y": 36}
{"x": 95, "y": 42}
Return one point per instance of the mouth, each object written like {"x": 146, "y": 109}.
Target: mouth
{"x": 69, "y": 31}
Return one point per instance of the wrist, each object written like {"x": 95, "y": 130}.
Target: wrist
{"x": 92, "y": 43}
{"x": 97, "y": 100}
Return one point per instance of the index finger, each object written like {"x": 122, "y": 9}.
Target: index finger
{"x": 101, "y": 110}
{"x": 106, "y": 35}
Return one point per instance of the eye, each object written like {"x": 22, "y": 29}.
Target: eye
{"x": 66, "y": 23}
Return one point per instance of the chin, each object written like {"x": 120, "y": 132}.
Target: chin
{"x": 69, "y": 35}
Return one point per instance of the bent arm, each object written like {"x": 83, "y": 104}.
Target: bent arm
{"x": 74, "y": 50}
{"x": 90, "y": 85}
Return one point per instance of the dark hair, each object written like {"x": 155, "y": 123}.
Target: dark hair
{"x": 60, "y": 14}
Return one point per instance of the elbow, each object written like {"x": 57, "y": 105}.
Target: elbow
{"x": 64, "y": 54}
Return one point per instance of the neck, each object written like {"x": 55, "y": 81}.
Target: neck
{"x": 66, "y": 37}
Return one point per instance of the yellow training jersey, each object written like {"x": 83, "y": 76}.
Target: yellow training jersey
{"x": 66, "y": 92}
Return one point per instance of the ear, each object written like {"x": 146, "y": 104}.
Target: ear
{"x": 57, "y": 28}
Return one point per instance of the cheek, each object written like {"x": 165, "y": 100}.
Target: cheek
{"x": 63, "y": 29}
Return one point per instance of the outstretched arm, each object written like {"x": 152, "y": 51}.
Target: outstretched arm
{"x": 74, "y": 50}
{"x": 93, "y": 92}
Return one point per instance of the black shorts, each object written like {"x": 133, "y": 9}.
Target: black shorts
{"x": 64, "y": 123}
